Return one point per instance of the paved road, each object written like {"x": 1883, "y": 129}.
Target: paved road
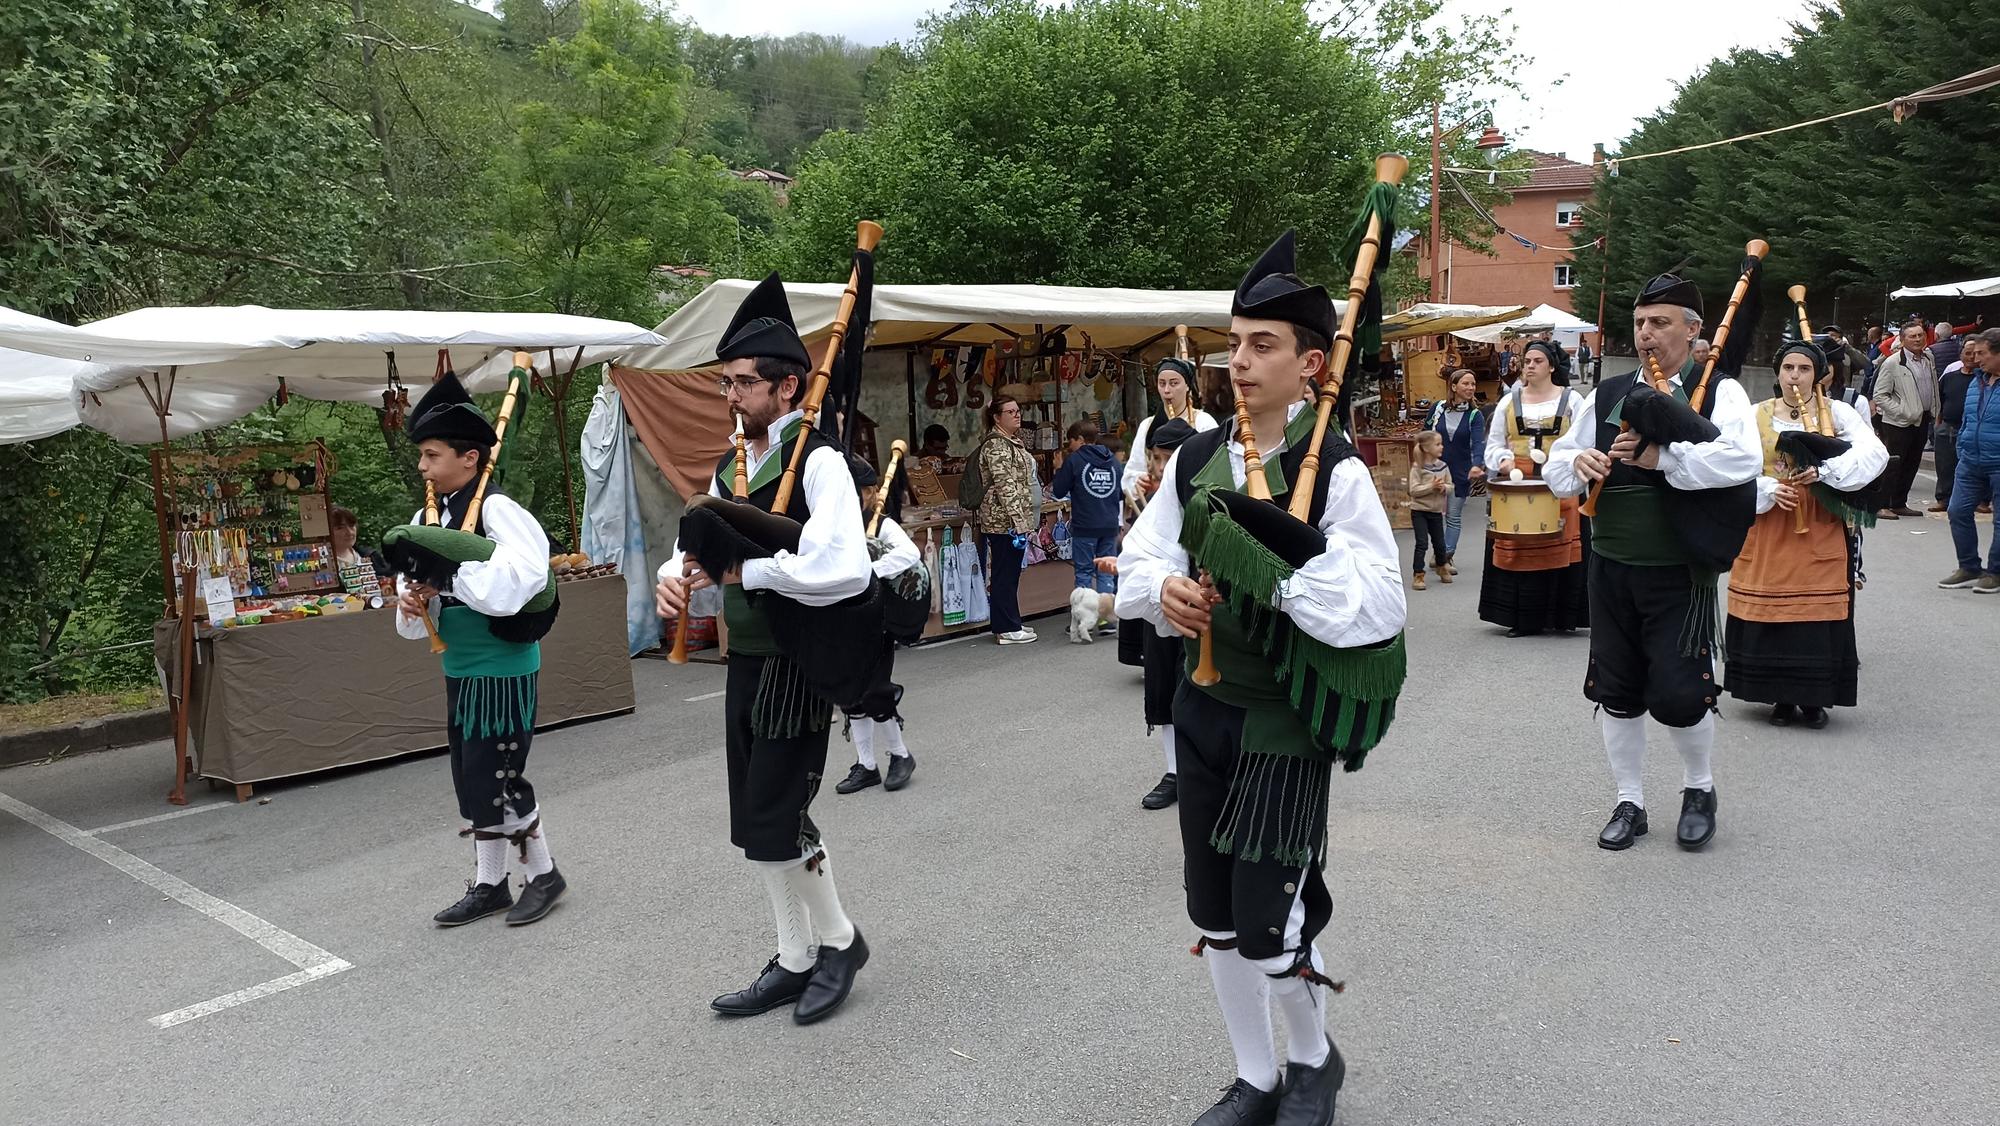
{"x": 1829, "y": 960}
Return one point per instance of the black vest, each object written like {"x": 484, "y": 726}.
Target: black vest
{"x": 1196, "y": 452}
{"x": 1713, "y": 523}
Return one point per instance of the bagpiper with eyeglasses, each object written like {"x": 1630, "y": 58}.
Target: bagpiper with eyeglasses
{"x": 776, "y": 724}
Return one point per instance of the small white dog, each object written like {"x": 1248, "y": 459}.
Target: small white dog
{"x": 1086, "y": 609}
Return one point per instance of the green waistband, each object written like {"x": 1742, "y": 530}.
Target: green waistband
{"x": 749, "y": 630}
{"x": 472, "y": 650}
{"x": 1632, "y": 527}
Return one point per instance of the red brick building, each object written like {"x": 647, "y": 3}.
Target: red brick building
{"x": 1547, "y": 209}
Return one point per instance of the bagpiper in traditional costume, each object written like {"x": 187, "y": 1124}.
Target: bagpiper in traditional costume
{"x": 1304, "y": 619}
{"x": 875, "y": 721}
{"x": 1164, "y": 659}
{"x": 1790, "y": 634}
{"x": 1678, "y": 459}
{"x": 1534, "y": 580}
{"x": 483, "y": 562}
{"x": 777, "y": 711}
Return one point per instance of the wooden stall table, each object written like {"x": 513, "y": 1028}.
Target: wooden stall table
{"x": 1044, "y": 587}
{"x": 1389, "y": 462}
{"x": 289, "y": 698}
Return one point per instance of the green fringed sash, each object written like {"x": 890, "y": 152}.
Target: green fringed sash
{"x": 1334, "y": 704}
{"x": 1843, "y": 505}
{"x": 785, "y": 708}
{"x": 490, "y": 707}
{"x": 1276, "y": 808}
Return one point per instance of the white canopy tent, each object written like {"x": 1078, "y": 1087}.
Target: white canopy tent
{"x": 1979, "y": 287}
{"x": 1567, "y": 327}
{"x": 945, "y": 315}
{"x": 220, "y": 363}
{"x": 38, "y": 374}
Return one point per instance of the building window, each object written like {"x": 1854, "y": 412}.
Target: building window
{"x": 1569, "y": 214}
{"x": 1565, "y": 277}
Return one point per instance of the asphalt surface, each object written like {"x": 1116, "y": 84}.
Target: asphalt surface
{"x": 1829, "y": 959}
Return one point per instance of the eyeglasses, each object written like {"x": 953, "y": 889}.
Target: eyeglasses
{"x": 1010, "y": 411}
{"x": 743, "y": 386}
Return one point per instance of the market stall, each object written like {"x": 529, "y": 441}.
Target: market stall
{"x": 244, "y": 532}
{"x": 937, "y": 354}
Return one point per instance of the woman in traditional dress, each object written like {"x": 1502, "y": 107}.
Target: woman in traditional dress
{"x": 1789, "y": 641}
{"x": 1174, "y": 378}
{"x": 1458, "y": 418}
{"x": 1534, "y": 583}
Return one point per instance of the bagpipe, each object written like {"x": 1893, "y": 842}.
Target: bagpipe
{"x": 835, "y": 647}
{"x": 431, "y": 554}
{"x": 906, "y": 596}
{"x": 1818, "y": 443}
{"x": 1248, "y": 544}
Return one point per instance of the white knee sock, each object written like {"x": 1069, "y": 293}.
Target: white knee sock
{"x": 1694, "y": 744}
{"x": 1167, "y": 748}
{"x": 1304, "y": 1005}
{"x": 862, "y": 730}
{"x": 491, "y": 858}
{"x": 537, "y": 862}
{"x": 794, "y": 928}
{"x": 1244, "y": 995}
{"x": 891, "y": 734}
{"x": 1625, "y": 746}
{"x": 814, "y": 887}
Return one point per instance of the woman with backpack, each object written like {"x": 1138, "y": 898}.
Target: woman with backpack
{"x": 1464, "y": 430}
{"x": 1006, "y": 511}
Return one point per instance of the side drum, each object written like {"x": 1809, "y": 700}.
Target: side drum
{"x": 1523, "y": 511}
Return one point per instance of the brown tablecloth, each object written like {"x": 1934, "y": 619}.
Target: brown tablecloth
{"x": 288, "y": 698}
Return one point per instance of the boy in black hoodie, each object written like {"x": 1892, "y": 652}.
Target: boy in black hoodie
{"x": 1088, "y": 480}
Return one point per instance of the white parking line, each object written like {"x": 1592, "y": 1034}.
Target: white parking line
{"x": 138, "y": 821}
{"x": 315, "y": 962}
{"x": 703, "y": 696}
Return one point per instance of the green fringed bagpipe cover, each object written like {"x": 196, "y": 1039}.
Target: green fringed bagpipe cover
{"x": 431, "y": 555}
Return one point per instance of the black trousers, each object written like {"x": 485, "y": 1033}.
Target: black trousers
{"x": 1906, "y": 444}
{"x": 1638, "y": 616}
{"x": 884, "y": 694}
{"x": 1003, "y": 574}
{"x": 1945, "y": 444}
{"x": 1428, "y": 527}
{"x": 772, "y": 782}
{"x": 1166, "y": 671}
{"x": 487, "y": 774}
{"x": 1274, "y": 909}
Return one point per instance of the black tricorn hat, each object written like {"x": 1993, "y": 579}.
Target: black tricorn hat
{"x": 763, "y": 326}
{"x": 1169, "y": 434}
{"x": 1669, "y": 289}
{"x": 446, "y": 411}
{"x": 1273, "y": 291}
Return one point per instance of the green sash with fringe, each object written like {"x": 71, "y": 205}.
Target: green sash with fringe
{"x": 496, "y": 692}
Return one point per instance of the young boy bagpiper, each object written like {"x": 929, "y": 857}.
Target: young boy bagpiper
{"x": 480, "y": 562}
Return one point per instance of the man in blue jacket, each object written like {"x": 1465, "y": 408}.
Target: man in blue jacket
{"x": 1088, "y": 480}
{"x": 1978, "y": 477}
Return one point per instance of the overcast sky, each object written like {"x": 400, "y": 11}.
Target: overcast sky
{"x": 1620, "y": 61}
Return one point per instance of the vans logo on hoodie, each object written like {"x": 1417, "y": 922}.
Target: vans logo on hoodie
{"x": 1099, "y": 481}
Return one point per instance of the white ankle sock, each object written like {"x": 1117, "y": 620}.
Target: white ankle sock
{"x": 538, "y": 862}
{"x": 862, "y": 730}
{"x": 1167, "y": 748}
{"x": 1625, "y": 747}
{"x": 814, "y": 887}
{"x": 1304, "y": 1005}
{"x": 794, "y": 929}
{"x": 1695, "y": 744}
{"x": 891, "y": 733}
{"x": 1244, "y": 995}
{"x": 491, "y": 858}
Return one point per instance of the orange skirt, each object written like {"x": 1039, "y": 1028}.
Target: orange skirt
{"x": 1786, "y": 576}
{"x": 1543, "y": 553}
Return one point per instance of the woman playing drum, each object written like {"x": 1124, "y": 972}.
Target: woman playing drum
{"x": 1535, "y": 543}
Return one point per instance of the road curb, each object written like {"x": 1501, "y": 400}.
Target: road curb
{"x": 99, "y": 734}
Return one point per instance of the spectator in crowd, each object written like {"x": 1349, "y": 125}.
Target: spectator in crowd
{"x": 1848, "y": 365}
{"x": 937, "y": 442}
{"x": 1952, "y": 384}
{"x": 1906, "y": 392}
{"x": 1008, "y": 515}
{"x": 1978, "y": 476}
{"x": 1945, "y": 347}
{"x": 1699, "y": 354}
{"x": 1583, "y": 360}
{"x": 1088, "y": 480}
{"x": 1430, "y": 484}
{"x": 1505, "y": 361}
{"x": 1463, "y": 428}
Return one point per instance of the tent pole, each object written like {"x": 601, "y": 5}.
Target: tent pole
{"x": 560, "y": 390}
{"x": 183, "y": 682}
{"x": 910, "y": 386}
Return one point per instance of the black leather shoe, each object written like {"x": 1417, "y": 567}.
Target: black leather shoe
{"x": 1783, "y": 715}
{"x": 1814, "y": 718}
{"x": 1308, "y": 1093}
{"x": 1242, "y": 1105}
{"x": 480, "y": 901}
{"x": 831, "y": 981}
{"x": 900, "y": 769}
{"x": 775, "y": 986}
{"x": 1697, "y": 818}
{"x": 538, "y": 897}
{"x": 858, "y": 778}
{"x": 1627, "y": 824}
{"x": 1163, "y": 795}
